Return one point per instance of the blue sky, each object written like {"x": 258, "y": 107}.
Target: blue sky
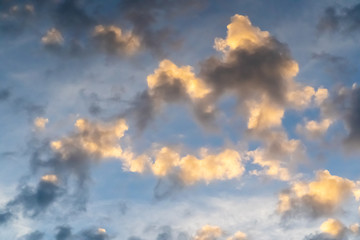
{"x": 179, "y": 120}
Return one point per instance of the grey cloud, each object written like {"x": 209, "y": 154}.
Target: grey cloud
{"x": 33, "y": 236}
{"x": 321, "y": 236}
{"x": 4, "y": 94}
{"x": 250, "y": 73}
{"x": 338, "y": 68}
{"x": 352, "y": 120}
{"x": 345, "y": 20}
{"x": 94, "y": 235}
{"x": 5, "y": 216}
{"x": 145, "y": 17}
{"x": 63, "y": 233}
{"x": 35, "y": 201}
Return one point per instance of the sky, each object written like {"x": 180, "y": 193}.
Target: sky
{"x": 179, "y": 120}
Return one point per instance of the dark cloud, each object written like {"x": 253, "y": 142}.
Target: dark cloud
{"x": 32, "y": 110}
{"x": 165, "y": 234}
{"x": 321, "y": 236}
{"x": 251, "y": 73}
{"x": 5, "y": 216}
{"x": 146, "y": 18}
{"x": 4, "y": 94}
{"x": 134, "y": 238}
{"x": 345, "y": 20}
{"x": 167, "y": 187}
{"x": 94, "y": 235}
{"x": 337, "y": 67}
{"x": 73, "y": 15}
{"x": 63, "y": 233}
{"x": 33, "y": 236}
{"x": 143, "y": 110}
{"x": 352, "y": 119}
{"x": 15, "y": 18}
{"x": 34, "y": 201}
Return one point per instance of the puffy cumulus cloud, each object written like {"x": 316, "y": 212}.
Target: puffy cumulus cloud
{"x": 241, "y": 34}
{"x": 321, "y": 197}
{"x": 209, "y": 232}
{"x": 134, "y": 163}
{"x": 264, "y": 115}
{"x": 40, "y": 123}
{"x": 321, "y": 95}
{"x": 173, "y": 84}
{"x": 95, "y": 139}
{"x": 238, "y": 236}
{"x": 113, "y": 40}
{"x": 345, "y": 20}
{"x": 255, "y": 67}
{"x": 313, "y": 129}
{"x": 333, "y": 229}
{"x": 190, "y": 169}
{"x": 278, "y": 156}
{"x": 255, "y": 64}
{"x": 225, "y": 165}
{"x": 52, "y": 38}
{"x": 172, "y": 81}
{"x": 166, "y": 160}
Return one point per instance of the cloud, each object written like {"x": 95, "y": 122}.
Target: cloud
{"x": 321, "y": 197}
{"x": 98, "y": 234}
{"x": 172, "y": 82}
{"x": 35, "y": 201}
{"x": 150, "y": 19}
{"x": 112, "y": 40}
{"x": 14, "y": 18}
{"x": 209, "y": 232}
{"x": 345, "y": 20}
{"x": 255, "y": 67}
{"x": 5, "y": 216}
{"x": 238, "y": 236}
{"x": 52, "y": 38}
{"x": 278, "y": 156}
{"x": 313, "y": 129}
{"x": 190, "y": 169}
{"x": 4, "y": 94}
{"x": 95, "y": 140}
{"x": 333, "y": 229}
{"x": 40, "y": 123}
{"x": 63, "y": 233}
{"x": 352, "y": 119}
{"x": 33, "y": 236}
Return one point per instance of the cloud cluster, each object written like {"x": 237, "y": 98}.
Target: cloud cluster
{"x": 322, "y": 197}
{"x": 254, "y": 67}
